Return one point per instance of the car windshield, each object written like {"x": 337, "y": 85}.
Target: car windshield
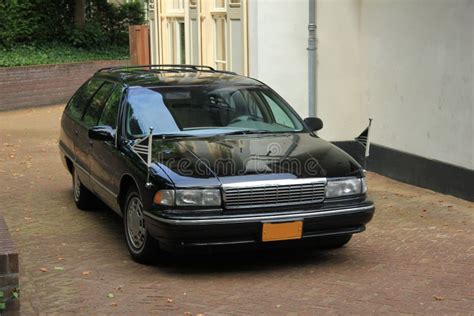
{"x": 208, "y": 110}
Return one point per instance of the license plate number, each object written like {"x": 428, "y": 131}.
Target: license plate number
{"x": 282, "y": 231}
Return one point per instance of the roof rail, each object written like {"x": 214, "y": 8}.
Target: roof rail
{"x": 165, "y": 67}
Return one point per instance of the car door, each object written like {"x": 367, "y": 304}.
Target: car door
{"x": 105, "y": 156}
{"x": 89, "y": 119}
{"x": 70, "y": 123}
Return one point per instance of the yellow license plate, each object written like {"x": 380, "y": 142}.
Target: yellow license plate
{"x": 282, "y": 231}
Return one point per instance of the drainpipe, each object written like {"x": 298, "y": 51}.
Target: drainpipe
{"x": 312, "y": 59}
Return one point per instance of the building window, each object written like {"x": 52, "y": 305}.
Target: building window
{"x": 220, "y": 43}
{"x": 177, "y": 47}
{"x": 219, "y": 4}
{"x": 178, "y": 5}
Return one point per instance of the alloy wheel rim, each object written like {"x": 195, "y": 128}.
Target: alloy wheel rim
{"x": 77, "y": 186}
{"x": 136, "y": 223}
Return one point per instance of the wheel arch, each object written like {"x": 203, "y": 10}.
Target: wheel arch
{"x": 69, "y": 164}
{"x": 126, "y": 182}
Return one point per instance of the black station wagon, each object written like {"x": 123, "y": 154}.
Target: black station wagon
{"x": 195, "y": 158}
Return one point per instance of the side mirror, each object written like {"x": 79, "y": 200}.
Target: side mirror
{"x": 104, "y": 133}
{"x": 313, "y": 123}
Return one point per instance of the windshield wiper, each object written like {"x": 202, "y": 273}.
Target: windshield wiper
{"x": 250, "y": 132}
{"x": 173, "y": 135}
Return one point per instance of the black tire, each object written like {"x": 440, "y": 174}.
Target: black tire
{"x": 333, "y": 242}
{"x": 142, "y": 246}
{"x": 83, "y": 198}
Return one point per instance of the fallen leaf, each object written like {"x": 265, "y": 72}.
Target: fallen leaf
{"x": 278, "y": 306}
{"x": 438, "y": 298}
{"x": 170, "y": 300}
{"x": 43, "y": 270}
{"x": 118, "y": 288}
{"x": 110, "y": 295}
{"x": 187, "y": 313}
{"x": 113, "y": 304}
{"x": 86, "y": 272}
{"x": 59, "y": 268}
{"x": 60, "y": 258}
{"x": 27, "y": 218}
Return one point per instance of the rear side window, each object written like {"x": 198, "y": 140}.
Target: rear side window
{"x": 82, "y": 97}
{"x": 110, "y": 113}
{"x": 94, "y": 110}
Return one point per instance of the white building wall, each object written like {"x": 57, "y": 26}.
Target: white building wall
{"x": 407, "y": 64}
{"x": 418, "y": 69}
{"x": 277, "y": 48}
{"x": 339, "y": 69}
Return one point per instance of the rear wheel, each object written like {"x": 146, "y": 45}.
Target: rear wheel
{"x": 83, "y": 198}
{"x": 142, "y": 247}
{"x": 333, "y": 242}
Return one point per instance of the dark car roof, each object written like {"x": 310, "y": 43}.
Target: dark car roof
{"x": 147, "y": 76}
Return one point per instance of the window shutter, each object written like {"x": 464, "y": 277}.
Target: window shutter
{"x": 194, "y": 32}
{"x": 236, "y": 35}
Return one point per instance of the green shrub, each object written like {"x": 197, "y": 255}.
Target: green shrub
{"x": 16, "y": 24}
{"x": 91, "y": 36}
{"x": 57, "y": 53}
{"x": 41, "y": 22}
{"x": 115, "y": 20}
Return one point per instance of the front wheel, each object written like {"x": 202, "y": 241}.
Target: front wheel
{"x": 142, "y": 247}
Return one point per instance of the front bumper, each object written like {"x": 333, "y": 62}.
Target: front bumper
{"x": 176, "y": 233}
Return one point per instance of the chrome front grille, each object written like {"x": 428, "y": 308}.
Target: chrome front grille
{"x": 274, "y": 193}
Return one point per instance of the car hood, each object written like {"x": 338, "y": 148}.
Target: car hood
{"x": 218, "y": 160}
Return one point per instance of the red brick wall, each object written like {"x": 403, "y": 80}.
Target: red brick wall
{"x": 8, "y": 272}
{"x": 45, "y": 84}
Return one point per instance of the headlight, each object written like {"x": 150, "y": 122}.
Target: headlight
{"x": 188, "y": 197}
{"x": 352, "y": 186}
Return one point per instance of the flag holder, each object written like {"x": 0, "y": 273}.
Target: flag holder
{"x": 148, "y": 184}
{"x": 141, "y": 150}
{"x": 364, "y": 140}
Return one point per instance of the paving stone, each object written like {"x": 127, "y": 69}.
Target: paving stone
{"x": 415, "y": 257}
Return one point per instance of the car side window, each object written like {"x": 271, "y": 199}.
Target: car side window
{"x": 94, "y": 110}
{"x": 110, "y": 113}
{"x": 278, "y": 113}
{"x": 82, "y": 97}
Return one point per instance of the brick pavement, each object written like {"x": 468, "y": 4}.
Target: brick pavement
{"x": 416, "y": 256}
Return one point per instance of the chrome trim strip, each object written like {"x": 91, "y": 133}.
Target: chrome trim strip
{"x": 259, "y": 218}
{"x": 76, "y": 164}
{"x": 272, "y": 183}
{"x": 266, "y": 192}
{"x": 103, "y": 186}
{"x": 252, "y": 206}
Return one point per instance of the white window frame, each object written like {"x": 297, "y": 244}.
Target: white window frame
{"x": 175, "y": 42}
{"x": 215, "y": 41}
